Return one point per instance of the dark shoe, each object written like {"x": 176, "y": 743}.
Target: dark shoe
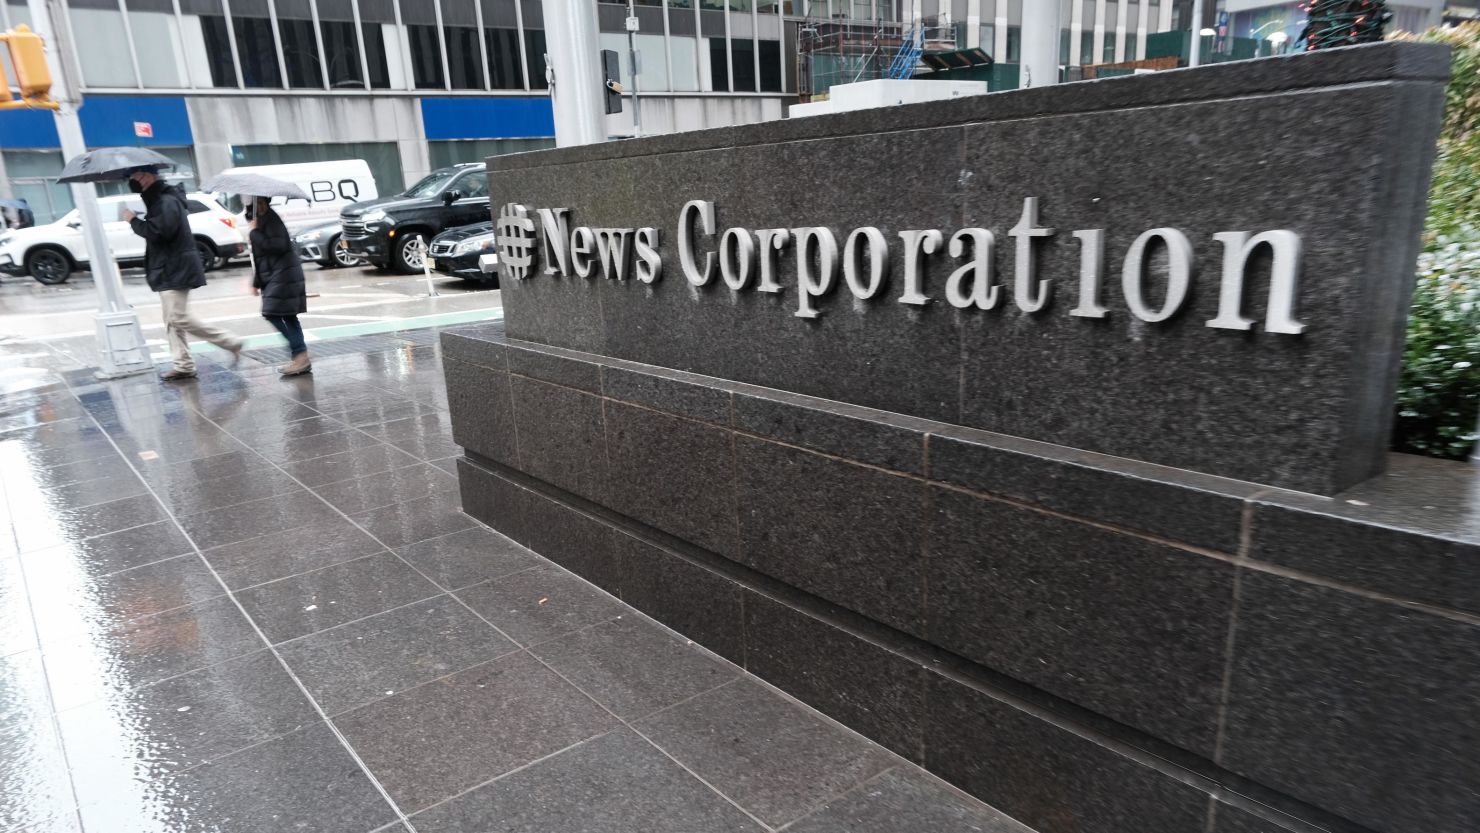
{"x": 176, "y": 376}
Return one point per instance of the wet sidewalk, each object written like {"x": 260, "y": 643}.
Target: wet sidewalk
{"x": 249, "y": 604}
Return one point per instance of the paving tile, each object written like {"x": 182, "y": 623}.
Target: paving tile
{"x": 44, "y": 499}
{"x": 311, "y": 602}
{"x": 371, "y": 459}
{"x": 313, "y": 783}
{"x": 56, "y": 433}
{"x": 435, "y": 741}
{"x": 540, "y": 604}
{"x": 231, "y": 464}
{"x": 91, "y": 662}
{"x": 34, "y": 786}
{"x": 434, "y": 424}
{"x": 771, "y": 756}
{"x": 358, "y": 663}
{"x": 634, "y": 667}
{"x": 295, "y": 449}
{"x": 42, "y": 455}
{"x": 39, "y": 531}
{"x": 124, "y": 549}
{"x": 231, "y": 524}
{"x": 279, "y": 412}
{"x": 906, "y": 798}
{"x": 96, "y": 469}
{"x": 325, "y": 542}
{"x": 468, "y": 557}
{"x": 201, "y": 442}
{"x": 617, "y": 782}
{"x": 394, "y": 486}
{"x": 75, "y": 597}
{"x": 416, "y": 520}
{"x": 121, "y": 743}
{"x": 16, "y": 631}
{"x": 377, "y": 413}
{"x": 448, "y": 463}
{"x": 192, "y": 496}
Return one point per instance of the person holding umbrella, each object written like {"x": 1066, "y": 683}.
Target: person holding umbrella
{"x": 173, "y": 268}
{"x": 277, "y": 271}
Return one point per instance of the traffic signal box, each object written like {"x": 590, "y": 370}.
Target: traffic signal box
{"x": 612, "y": 77}
{"x": 32, "y": 76}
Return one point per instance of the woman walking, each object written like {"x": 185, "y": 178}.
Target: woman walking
{"x": 279, "y": 280}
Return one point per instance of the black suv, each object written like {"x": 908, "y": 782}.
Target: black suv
{"x": 393, "y": 231}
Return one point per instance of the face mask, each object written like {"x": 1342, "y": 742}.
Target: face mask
{"x": 135, "y": 186}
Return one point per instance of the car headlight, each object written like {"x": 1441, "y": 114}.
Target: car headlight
{"x": 376, "y": 216}
{"x": 310, "y": 237}
{"x": 475, "y": 244}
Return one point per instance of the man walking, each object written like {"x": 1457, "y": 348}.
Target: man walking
{"x": 173, "y": 268}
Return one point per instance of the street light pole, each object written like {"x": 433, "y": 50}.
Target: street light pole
{"x": 120, "y": 338}
{"x": 632, "y": 27}
{"x": 576, "y": 91}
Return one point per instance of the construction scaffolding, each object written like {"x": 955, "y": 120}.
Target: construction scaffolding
{"x": 839, "y": 50}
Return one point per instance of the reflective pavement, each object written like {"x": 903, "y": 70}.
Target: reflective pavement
{"x": 253, "y": 604}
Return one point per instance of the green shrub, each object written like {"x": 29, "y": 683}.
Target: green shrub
{"x": 1439, "y": 395}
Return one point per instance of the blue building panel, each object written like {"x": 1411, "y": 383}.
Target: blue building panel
{"x": 106, "y": 121}
{"x": 487, "y": 118}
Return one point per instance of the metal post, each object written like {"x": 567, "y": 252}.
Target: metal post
{"x": 575, "y": 55}
{"x": 120, "y": 339}
{"x": 1194, "y": 56}
{"x": 1040, "y": 44}
{"x": 632, "y": 26}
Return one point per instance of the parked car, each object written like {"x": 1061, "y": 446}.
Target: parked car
{"x": 393, "y": 232}
{"x": 456, "y": 252}
{"x": 51, "y": 253}
{"x": 320, "y": 244}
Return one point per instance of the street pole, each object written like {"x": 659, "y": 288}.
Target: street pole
{"x": 120, "y": 338}
{"x": 1040, "y": 66}
{"x": 577, "y": 89}
{"x": 1194, "y": 55}
{"x": 632, "y": 26}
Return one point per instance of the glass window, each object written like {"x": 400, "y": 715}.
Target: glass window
{"x": 378, "y": 32}
{"x": 719, "y": 67}
{"x": 447, "y": 154}
{"x": 1014, "y": 44}
{"x": 474, "y": 184}
{"x": 430, "y": 185}
{"x": 1130, "y": 46}
{"x": 256, "y": 49}
{"x": 534, "y": 48}
{"x": 743, "y": 63}
{"x": 464, "y": 51}
{"x": 1086, "y": 48}
{"x": 382, "y": 157}
{"x": 1064, "y": 46}
{"x": 300, "y": 44}
{"x": 97, "y": 26}
{"x": 341, "y": 48}
{"x": 208, "y": 56}
{"x": 684, "y": 53}
{"x": 426, "y": 57}
{"x": 770, "y": 66}
{"x": 157, "y": 44}
{"x": 503, "y": 59}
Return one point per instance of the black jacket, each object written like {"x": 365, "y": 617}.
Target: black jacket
{"x": 171, "y": 260}
{"x": 279, "y": 271}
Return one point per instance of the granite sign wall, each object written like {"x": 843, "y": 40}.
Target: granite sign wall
{"x": 977, "y": 425}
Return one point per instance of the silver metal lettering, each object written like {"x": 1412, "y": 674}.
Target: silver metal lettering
{"x": 705, "y": 210}
{"x": 582, "y": 247}
{"x": 555, "y": 240}
{"x": 612, "y": 248}
{"x": 1179, "y": 273}
{"x": 917, "y": 242}
{"x": 1091, "y": 267}
{"x": 649, "y": 262}
{"x": 878, "y": 262}
{"x": 818, "y": 239}
{"x": 772, "y": 241}
{"x": 1284, "y": 280}
{"x": 1024, "y": 265}
{"x": 736, "y": 257}
{"x": 972, "y": 284}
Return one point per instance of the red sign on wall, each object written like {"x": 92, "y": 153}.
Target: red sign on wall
{"x": 144, "y": 130}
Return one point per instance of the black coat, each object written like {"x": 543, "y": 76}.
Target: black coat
{"x": 279, "y": 271}
{"x": 171, "y": 260}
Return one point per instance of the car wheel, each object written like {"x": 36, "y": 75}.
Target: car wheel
{"x": 49, "y": 266}
{"x": 411, "y": 253}
{"x": 207, "y": 254}
{"x": 341, "y": 255}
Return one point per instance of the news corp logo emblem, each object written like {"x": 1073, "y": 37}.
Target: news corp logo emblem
{"x": 515, "y": 241}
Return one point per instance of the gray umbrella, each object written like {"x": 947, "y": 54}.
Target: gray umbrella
{"x": 112, "y": 163}
{"x": 16, "y": 204}
{"x": 252, "y": 185}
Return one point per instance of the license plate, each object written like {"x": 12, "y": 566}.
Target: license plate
{"x": 431, "y": 263}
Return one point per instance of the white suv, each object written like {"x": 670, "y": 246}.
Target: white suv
{"x": 51, "y": 253}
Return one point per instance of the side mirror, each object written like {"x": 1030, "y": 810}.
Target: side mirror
{"x": 451, "y": 197}
{"x": 75, "y": 224}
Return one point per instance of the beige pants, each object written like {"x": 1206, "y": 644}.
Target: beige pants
{"x": 179, "y": 323}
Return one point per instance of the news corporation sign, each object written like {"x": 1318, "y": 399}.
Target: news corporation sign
{"x": 750, "y": 259}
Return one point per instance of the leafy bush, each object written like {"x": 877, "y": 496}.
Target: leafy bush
{"x": 1439, "y": 395}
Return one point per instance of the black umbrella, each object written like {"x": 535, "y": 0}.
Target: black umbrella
{"x": 112, "y": 163}
{"x": 252, "y": 185}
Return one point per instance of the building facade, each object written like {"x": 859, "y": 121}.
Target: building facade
{"x": 412, "y": 85}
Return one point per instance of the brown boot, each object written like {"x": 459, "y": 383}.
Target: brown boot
{"x": 297, "y": 367}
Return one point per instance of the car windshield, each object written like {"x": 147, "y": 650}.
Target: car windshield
{"x": 431, "y": 185}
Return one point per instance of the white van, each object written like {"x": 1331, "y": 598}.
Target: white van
{"x": 330, "y": 186}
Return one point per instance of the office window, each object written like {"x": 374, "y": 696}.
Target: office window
{"x": 341, "y": 47}
{"x": 1014, "y": 44}
{"x": 1086, "y": 48}
{"x": 256, "y": 49}
{"x": 534, "y": 48}
{"x": 684, "y": 54}
{"x": 377, "y": 17}
{"x": 157, "y": 43}
{"x": 719, "y": 67}
{"x": 1130, "y": 46}
{"x": 210, "y": 63}
{"x": 464, "y": 51}
{"x": 426, "y": 57}
{"x": 743, "y": 52}
{"x": 300, "y": 44}
{"x": 1112, "y": 17}
{"x": 770, "y": 66}
{"x": 447, "y": 154}
{"x": 503, "y": 59}
{"x": 1064, "y": 46}
{"x": 101, "y": 48}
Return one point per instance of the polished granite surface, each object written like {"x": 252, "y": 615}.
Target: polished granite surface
{"x": 249, "y": 604}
